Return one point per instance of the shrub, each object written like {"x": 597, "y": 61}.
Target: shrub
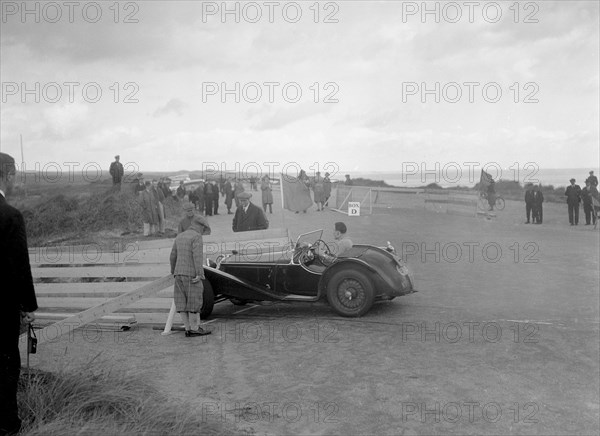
{"x": 98, "y": 399}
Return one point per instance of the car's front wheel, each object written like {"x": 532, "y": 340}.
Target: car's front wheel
{"x": 208, "y": 300}
{"x": 350, "y": 292}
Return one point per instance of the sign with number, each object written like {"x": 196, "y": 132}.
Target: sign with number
{"x": 354, "y": 208}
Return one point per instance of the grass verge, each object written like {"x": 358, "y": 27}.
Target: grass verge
{"x": 100, "y": 400}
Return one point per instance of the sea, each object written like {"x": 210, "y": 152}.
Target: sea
{"x": 469, "y": 177}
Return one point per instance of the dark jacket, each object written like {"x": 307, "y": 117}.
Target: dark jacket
{"x": 116, "y": 171}
{"x": 573, "y": 194}
{"x": 253, "y": 219}
{"x": 529, "y": 196}
{"x": 538, "y": 198}
{"x": 15, "y": 271}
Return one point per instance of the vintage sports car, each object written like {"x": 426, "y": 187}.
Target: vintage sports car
{"x": 308, "y": 272}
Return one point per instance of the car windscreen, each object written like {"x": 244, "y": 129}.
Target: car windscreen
{"x": 309, "y": 238}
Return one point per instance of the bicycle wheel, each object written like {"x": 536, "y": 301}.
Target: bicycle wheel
{"x": 500, "y": 203}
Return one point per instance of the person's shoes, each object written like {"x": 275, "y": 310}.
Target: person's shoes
{"x": 572, "y": 224}
{"x": 297, "y": 212}
{"x": 587, "y": 224}
{"x": 215, "y": 213}
{"x": 199, "y": 332}
{"x": 526, "y": 222}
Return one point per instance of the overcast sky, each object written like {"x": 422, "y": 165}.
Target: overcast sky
{"x": 375, "y": 56}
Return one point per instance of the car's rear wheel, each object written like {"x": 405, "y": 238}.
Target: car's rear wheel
{"x": 208, "y": 300}
{"x": 350, "y": 292}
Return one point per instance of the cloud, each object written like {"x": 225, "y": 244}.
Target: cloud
{"x": 172, "y": 106}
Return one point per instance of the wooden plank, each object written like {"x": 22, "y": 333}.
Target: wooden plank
{"x": 102, "y": 309}
{"x": 58, "y": 316}
{"x": 125, "y": 271}
{"x": 86, "y": 303}
{"x": 68, "y": 288}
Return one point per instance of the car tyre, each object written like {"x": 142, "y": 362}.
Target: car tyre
{"x": 350, "y": 292}
{"x": 208, "y": 300}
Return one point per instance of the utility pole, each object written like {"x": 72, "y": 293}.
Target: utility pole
{"x": 23, "y": 173}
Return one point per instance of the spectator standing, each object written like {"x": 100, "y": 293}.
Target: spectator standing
{"x": 18, "y": 299}
{"x": 208, "y": 199}
{"x": 248, "y": 216}
{"x": 149, "y": 210}
{"x": 529, "y": 197}
{"x": 199, "y": 191}
{"x": 573, "y": 194}
{"x": 348, "y": 181}
{"x": 326, "y": 189}
{"x": 538, "y": 209}
{"x": 318, "y": 191}
{"x": 159, "y": 196}
{"x": 238, "y": 188}
{"x": 181, "y": 191}
{"x": 588, "y": 206}
{"x": 116, "y": 171}
{"x": 187, "y": 219}
{"x": 593, "y": 180}
{"x": 267, "y": 194}
{"x": 215, "y": 197}
{"x": 228, "y": 190}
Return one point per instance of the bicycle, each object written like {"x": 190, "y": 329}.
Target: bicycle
{"x": 483, "y": 203}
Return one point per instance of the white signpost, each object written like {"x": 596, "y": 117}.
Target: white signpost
{"x": 354, "y": 208}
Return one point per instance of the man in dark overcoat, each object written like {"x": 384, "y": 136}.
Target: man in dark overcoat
{"x": 228, "y": 190}
{"x": 529, "y": 194}
{"x": 573, "y": 194}
{"x": 538, "y": 205}
{"x": 18, "y": 303}
{"x": 215, "y": 197}
{"x": 588, "y": 206}
{"x": 248, "y": 216}
{"x": 116, "y": 171}
{"x": 208, "y": 198}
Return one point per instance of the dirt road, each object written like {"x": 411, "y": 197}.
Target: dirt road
{"x": 502, "y": 338}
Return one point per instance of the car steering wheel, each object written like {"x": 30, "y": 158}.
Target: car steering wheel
{"x": 324, "y": 252}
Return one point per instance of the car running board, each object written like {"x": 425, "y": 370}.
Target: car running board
{"x": 307, "y": 298}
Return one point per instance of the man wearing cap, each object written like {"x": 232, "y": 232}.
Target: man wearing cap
{"x": 186, "y": 260}
{"x": 116, "y": 171}
{"x": 593, "y": 180}
{"x": 573, "y": 194}
{"x": 18, "y": 298}
{"x": 185, "y": 223}
{"x": 248, "y": 216}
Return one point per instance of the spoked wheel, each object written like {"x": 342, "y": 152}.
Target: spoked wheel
{"x": 500, "y": 203}
{"x": 208, "y": 300}
{"x": 350, "y": 292}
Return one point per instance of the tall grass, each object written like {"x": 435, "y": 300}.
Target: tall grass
{"x": 99, "y": 400}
